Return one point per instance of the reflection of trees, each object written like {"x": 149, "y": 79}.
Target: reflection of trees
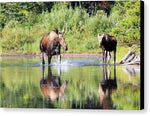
{"x": 106, "y": 87}
{"x": 20, "y": 88}
{"x": 82, "y": 89}
{"x": 26, "y": 96}
{"x": 51, "y": 86}
{"x": 86, "y": 95}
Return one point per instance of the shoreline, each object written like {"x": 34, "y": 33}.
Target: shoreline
{"x": 62, "y": 55}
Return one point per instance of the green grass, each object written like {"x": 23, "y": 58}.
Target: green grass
{"x": 22, "y": 83}
{"x": 122, "y": 50}
{"x": 81, "y": 31}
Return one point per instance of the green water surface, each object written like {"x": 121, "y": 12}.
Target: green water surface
{"x": 21, "y": 77}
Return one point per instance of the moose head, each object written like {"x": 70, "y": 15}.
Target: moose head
{"x": 62, "y": 40}
{"x": 102, "y": 39}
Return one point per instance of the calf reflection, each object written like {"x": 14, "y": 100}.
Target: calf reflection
{"x": 51, "y": 86}
{"x": 106, "y": 87}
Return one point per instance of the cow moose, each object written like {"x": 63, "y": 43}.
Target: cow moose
{"x": 50, "y": 44}
{"x": 107, "y": 43}
{"x": 51, "y": 85}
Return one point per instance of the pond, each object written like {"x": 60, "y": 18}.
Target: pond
{"x": 78, "y": 83}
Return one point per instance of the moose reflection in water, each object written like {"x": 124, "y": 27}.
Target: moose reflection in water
{"x": 106, "y": 87}
{"x": 51, "y": 85}
{"x": 50, "y": 44}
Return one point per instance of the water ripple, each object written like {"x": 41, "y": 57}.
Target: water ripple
{"x": 68, "y": 62}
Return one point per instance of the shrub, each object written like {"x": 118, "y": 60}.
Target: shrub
{"x": 81, "y": 30}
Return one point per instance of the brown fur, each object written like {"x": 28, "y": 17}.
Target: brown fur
{"x": 108, "y": 44}
{"x": 51, "y": 86}
{"x": 53, "y": 93}
{"x": 50, "y": 38}
{"x": 50, "y": 44}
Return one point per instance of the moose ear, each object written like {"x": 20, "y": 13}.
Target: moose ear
{"x": 57, "y": 31}
{"x": 107, "y": 37}
{"x": 63, "y": 31}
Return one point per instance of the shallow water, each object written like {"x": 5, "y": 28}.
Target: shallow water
{"x": 77, "y": 83}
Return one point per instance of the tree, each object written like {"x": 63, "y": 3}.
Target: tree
{"x": 127, "y": 29}
{"x": 21, "y": 10}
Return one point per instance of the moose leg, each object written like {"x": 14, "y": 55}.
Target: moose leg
{"x": 43, "y": 62}
{"x": 59, "y": 59}
{"x": 49, "y": 59}
{"x": 104, "y": 73}
{"x": 103, "y": 55}
{"x": 59, "y": 71}
{"x": 109, "y": 73}
{"x": 114, "y": 57}
{"x": 43, "y": 68}
{"x": 106, "y": 58}
{"x": 109, "y": 57}
{"x": 114, "y": 71}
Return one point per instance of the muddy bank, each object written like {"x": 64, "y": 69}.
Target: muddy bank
{"x": 63, "y": 55}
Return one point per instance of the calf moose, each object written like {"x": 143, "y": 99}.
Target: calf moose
{"x": 108, "y": 44}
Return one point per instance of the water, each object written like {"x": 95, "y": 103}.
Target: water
{"x": 77, "y": 83}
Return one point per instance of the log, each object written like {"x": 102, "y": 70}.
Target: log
{"x": 125, "y": 57}
{"x": 130, "y": 58}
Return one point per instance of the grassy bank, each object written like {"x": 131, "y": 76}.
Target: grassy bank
{"x": 81, "y": 29}
{"x": 121, "y": 51}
